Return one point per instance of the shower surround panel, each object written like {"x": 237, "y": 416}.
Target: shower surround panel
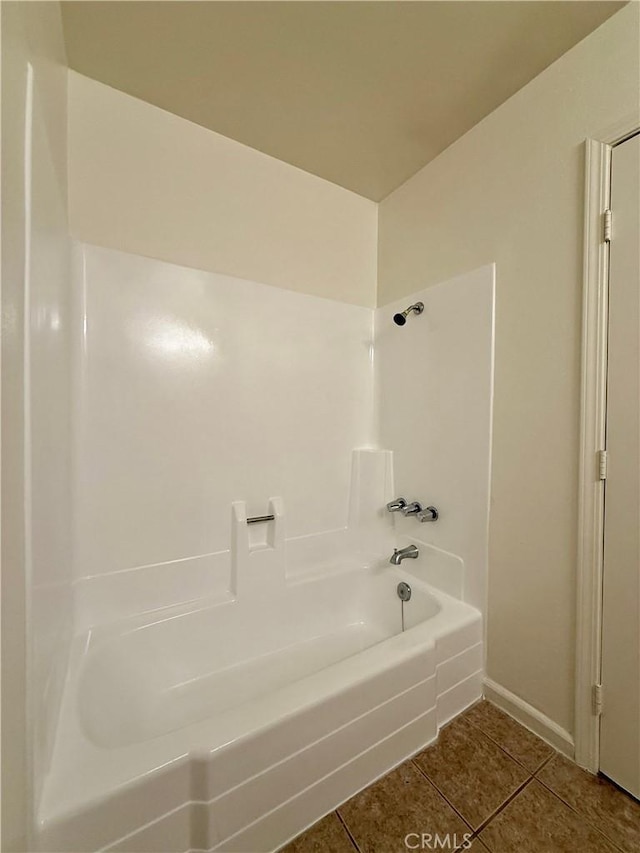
{"x": 229, "y": 683}
{"x": 195, "y": 390}
{"x": 434, "y": 380}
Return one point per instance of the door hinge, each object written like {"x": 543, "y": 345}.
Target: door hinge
{"x": 606, "y": 226}
{"x": 602, "y": 464}
{"x": 598, "y": 699}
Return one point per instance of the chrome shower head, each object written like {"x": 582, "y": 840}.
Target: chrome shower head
{"x": 401, "y": 319}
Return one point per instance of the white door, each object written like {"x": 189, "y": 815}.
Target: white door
{"x": 620, "y": 721}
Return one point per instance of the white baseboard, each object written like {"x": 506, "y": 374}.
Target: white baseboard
{"x": 529, "y": 717}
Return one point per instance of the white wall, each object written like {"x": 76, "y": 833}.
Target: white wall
{"x": 196, "y": 390}
{"x": 434, "y": 383}
{"x": 36, "y": 564}
{"x": 511, "y": 191}
{"x": 148, "y": 182}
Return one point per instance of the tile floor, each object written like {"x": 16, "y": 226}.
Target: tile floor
{"x": 486, "y": 784}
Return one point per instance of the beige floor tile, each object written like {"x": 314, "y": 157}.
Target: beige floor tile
{"x": 616, "y": 814}
{"x": 536, "y": 821}
{"x": 326, "y": 836}
{"x": 519, "y": 742}
{"x": 380, "y": 817}
{"x": 474, "y": 774}
{"x": 561, "y": 810}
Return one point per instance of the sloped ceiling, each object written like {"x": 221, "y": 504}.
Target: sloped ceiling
{"x": 361, "y": 93}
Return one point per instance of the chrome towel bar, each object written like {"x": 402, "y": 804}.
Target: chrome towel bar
{"x": 258, "y": 519}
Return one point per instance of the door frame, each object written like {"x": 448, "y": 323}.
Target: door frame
{"x": 593, "y": 414}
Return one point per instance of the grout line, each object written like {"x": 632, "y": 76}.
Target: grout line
{"x": 543, "y": 765}
{"x": 438, "y": 791}
{"x": 503, "y": 805}
{"x": 580, "y": 814}
{"x": 347, "y": 830}
{"x": 532, "y": 776}
{"x": 504, "y": 749}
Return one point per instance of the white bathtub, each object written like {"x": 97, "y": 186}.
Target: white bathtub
{"x": 233, "y": 726}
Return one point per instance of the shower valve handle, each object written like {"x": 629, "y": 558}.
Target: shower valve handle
{"x": 396, "y": 505}
{"x": 428, "y": 514}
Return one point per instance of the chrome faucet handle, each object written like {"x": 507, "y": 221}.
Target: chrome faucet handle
{"x": 428, "y": 514}
{"x": 412, "y": 508}
{"x": 396, "y": 505}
